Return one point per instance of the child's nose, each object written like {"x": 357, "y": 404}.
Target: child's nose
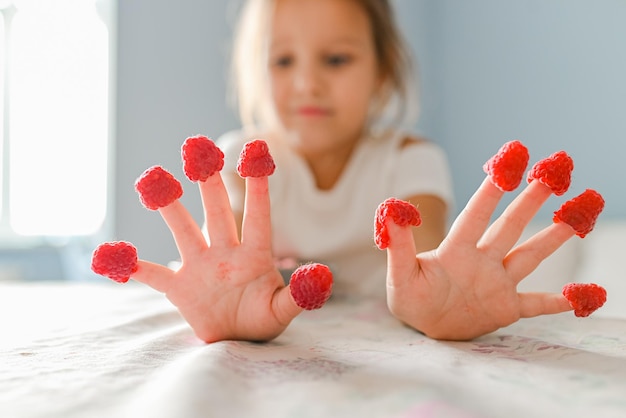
{"x": 307, "y": 79}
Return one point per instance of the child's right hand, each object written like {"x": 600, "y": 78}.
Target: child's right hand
{"x": 227, "y": 288}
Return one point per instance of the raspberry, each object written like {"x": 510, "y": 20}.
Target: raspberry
{"x": 507, "y": 167}
{"x": 311, "y": 285}
{"x": 116, "y": 260}
{"x": 157, "y": 188}
{"x": 581, "y": 212}
{"x": 554, "y": 172}
{"x": 201, "y": 158}
{"x": 585, "y": 298}
{"x": 401, "y": 212}
{"x": 255, "y": 160}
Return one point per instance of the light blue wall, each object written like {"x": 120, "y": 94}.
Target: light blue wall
{"x": 170, "y": 85}
{"x": 551, "y": 73}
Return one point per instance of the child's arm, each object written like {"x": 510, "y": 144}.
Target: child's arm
{"x": 467, "y": 286}
{"x": 433, "y": 230}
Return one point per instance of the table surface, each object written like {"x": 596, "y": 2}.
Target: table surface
{"x": 74, "y": 350}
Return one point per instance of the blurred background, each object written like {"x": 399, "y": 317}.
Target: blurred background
{"x": 146, "y": 74}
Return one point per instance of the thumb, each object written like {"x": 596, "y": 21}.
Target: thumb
{"x": 284, "y": 306}
{"x": 309, "y": 288}
{"x": 401, "y": 263}
{"x": 158, "y": 277}
{"x": 393, "y": 222}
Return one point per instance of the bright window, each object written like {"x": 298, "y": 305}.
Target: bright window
{"x": 2, "y": 48}
{"x": 56, "y": 106}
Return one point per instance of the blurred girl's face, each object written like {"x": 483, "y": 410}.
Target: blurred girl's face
{"x": 323, "y": 71}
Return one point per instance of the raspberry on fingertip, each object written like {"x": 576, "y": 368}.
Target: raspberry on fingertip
{"x": 585, "y": 298}
{"x": 554, "y": 171}
{"x": 157, "y": 188}
{"x": 401, "y": 213}
{"x": 201, "y": 158}
{"x": 581, "y": 212}
{"x": 311, "y": 285}
{"x": 506, "y": 168}
{"x": 116, "y": 260}
{"x": 255, "y": 160}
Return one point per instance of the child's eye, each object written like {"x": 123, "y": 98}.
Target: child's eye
{"x": 283, "y": 61}
{"x": 337, "y": 60}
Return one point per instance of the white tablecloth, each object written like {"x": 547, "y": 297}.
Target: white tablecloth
{"x": 91, "y": 350}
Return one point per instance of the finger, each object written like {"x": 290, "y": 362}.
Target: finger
{"x": 186, "y": 232}
{"x": 284, "y": 306}
{"x": 220, "y": 222}
{"x": 471, "y": 223}
{"x": 401, "y": 262}
{"x": 505, "y": 231}
{"x": 535, "y": 304}
{"x": 526, "y": 257}
{"x": 256, "y": 230}
{"x": 156, "y": 276}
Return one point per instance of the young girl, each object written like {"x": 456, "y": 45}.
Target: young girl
{"x": 315, "y": 79}
{"x": 326, "y": 98}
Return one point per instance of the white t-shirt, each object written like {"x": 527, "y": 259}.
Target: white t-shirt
{"x": 336, "y": 227}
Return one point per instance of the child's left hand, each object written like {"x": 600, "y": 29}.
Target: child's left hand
{"x": 468, "y": 286}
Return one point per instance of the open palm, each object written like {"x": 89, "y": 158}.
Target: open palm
{"x": 225, "y": 288}
{"x": 467, "y": 287}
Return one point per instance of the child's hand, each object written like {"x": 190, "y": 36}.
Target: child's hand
{"x": 467, "y": 286}
{"x": 230, "y": 289}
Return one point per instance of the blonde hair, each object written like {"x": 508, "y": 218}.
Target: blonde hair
{"x": 396, "y": 102}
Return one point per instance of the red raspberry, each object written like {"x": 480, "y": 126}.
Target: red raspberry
{"x": 506, "y": 168}
{"x": 401, "y": 212}
{"x": 581, "y": 212}
{"x": 201, "y": 158}
{"x": 116, "y": 260}
{"x": 554, "y": 172}
{"x": 255, "y": 160}
{"x": 311, "y": 285}
{"x": 157, "y": 188}
{"x": 585, "y": 298}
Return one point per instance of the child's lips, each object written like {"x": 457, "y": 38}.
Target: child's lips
{"x": 312, "y": 111}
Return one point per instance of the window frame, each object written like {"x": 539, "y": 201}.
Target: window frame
{"x": 20, "y": 255}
